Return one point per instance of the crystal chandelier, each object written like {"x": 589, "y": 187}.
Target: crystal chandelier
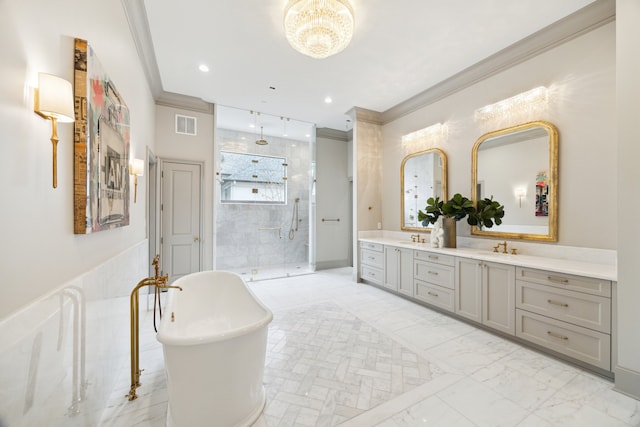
{"x": 318, "y": 28}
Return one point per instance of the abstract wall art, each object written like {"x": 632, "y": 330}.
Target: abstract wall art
{"x": 101, "y": 147}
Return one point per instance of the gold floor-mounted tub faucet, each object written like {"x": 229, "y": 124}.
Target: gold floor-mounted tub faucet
{"x": 160, "y": 283}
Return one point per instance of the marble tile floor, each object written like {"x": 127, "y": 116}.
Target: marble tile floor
{"x": 347, "y": 354}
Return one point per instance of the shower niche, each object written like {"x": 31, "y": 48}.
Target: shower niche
{"x": 263, "y": 204}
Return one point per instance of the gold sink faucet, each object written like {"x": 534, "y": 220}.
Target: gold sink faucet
{"x": 416, "y": 238}
{"x": 504, "y": 247}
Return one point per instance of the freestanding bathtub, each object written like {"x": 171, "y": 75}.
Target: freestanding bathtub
{"x": 214, "y": 337}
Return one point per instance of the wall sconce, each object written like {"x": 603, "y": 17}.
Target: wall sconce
{"x": 136, "y": 168}
{"x": 520, "y": 193}
{"x": 530, "y": 101}
{"x": 437, "y": 131}
{"x": 53, "y": 100}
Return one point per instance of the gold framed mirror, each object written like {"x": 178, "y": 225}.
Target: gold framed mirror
{"x": 422, "y": 175}
{"x": 518, "y": 166}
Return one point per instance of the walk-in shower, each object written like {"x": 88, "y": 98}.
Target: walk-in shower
{"x": 264, "y": 204}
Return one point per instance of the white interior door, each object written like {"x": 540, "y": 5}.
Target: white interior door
{"x": 181, "y": 213}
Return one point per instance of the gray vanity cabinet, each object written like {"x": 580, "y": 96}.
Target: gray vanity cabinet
{"x": 433, "y": 278}
{"x": 468, "y": 289}
{"x": 398, "y": 270}
{"x": 566, "y": 313}
{"x": 372, "y": 262}
{"x": 485, "y": 293}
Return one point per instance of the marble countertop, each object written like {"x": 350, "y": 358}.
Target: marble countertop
{"x": 558, "y": 265}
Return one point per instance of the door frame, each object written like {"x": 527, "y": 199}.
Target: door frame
{"x": 153, "y": 207}
{"x": 162, "y": 162}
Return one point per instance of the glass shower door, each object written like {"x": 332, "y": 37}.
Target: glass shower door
{"x": 262, "y": 211}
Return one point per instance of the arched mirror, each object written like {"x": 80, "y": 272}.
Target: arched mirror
{"x": 518, "y": 166}
{"x": 422, "y": 175}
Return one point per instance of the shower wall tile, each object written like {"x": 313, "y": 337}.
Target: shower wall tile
{"x": 58, "y": 355}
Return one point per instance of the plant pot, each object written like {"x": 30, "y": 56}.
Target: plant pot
{"x": 449, "y": 237}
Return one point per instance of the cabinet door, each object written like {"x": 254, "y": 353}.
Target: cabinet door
{"x": 468, "y": 289}
{"x": 391, "y": 267}
{"x": 405, "y": 282}
{"x": 498, "y": 296}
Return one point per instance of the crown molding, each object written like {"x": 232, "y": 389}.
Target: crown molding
{"x": 139, "y": 27}
{"x": 590, "y": 17}
{"x": 359, "y": 114}
{"x": 336, "y": 135}
{"x": 184, "y": 102}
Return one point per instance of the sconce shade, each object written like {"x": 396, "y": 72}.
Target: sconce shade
{"x": 54, "y": 98}
{"x": 137, "y": 167}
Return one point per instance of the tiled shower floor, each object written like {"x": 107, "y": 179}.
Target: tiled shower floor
{"x": 341, "y": 353}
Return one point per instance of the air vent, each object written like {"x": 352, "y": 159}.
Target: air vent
{"x": 186, "y": 125}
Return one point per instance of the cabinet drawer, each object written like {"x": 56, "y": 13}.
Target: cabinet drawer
{"x": 434, "y": 294}
{"x": 437, "y": 274}
{"x": 433, "y": 257}
{"x": 372, "y": 258}
{"x": 574, "y": 341}
{"x": 566, "y": 281}
{"x": 590, "y": 311}
{"x": 378, "y": 247}
{"x": 373, "y": 275}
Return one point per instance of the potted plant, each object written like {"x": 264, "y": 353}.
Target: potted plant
{"x": 485, "y": 213}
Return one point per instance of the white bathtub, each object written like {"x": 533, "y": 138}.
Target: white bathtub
{"x": 214, "y": 351}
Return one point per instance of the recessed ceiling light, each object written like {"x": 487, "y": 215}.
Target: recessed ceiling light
{"x": 328, "y": 100}
{"x": 251, "y": 125}
{"x": 203, "y": 68}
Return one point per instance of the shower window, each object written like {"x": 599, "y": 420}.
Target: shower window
{"x": 253, "y": 178}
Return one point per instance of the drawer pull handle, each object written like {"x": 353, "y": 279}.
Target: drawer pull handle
{"x": 553, "y": 334}
{"x": 432, "y": 257}
{"x": 372, "y": 258}
{"x": 561, "y": 304}
{"x": 558, "y": 279}
{"x": 435, "y": 273}
{"x": 433, "y": 294}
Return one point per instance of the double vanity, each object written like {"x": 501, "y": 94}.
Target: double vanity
{"x": 560, "y": 306}
{"x": 555, "y": 298}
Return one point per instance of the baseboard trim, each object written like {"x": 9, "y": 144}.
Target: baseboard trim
{"x": 325, "y": 265}
{"x": 627, "y": 382}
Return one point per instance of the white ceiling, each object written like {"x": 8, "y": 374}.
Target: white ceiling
{"x": 399, "y": 49}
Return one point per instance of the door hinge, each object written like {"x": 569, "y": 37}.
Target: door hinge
{"x": 161, "y": 240}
